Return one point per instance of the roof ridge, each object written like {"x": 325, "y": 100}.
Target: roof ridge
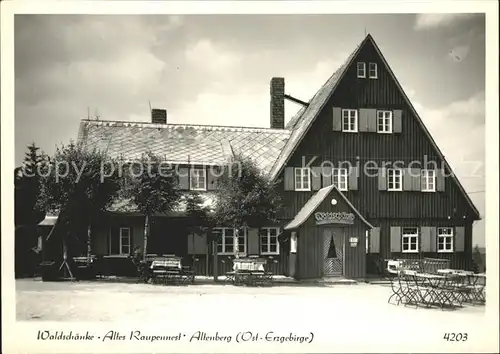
{"x": 296, "y": 117}
{"x": 177, "y": 125}
{"x": 310, "y": 112}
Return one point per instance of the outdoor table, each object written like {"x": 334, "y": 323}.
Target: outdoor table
{"x": 429, "y": 289}
{"x": 432, "y": 280}
{"x": 166, "y": 268}
{"x": 249, "y": 271}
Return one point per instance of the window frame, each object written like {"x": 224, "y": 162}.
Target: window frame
{"x": 336, "y": 174}
{"x": 269, "y": 237}
{"x": 349, "y": 117}
{"x": 384, "y": 120}
{"x": 120, "y": 242}
{"x": 302, "y": 175}
{"x": 204, "y": 176}
{"x": 440, "y": 235}
{"x": 362, "y": 68}
{"x": 370, "y": 71}
{"x": 425, "y": 177}
{"x": 399, "y": 174}
{"x": 223, "y": 241}
{"x": 409, "y": 236}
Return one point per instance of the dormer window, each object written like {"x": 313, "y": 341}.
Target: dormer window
{"x": 198, "y": 180}
{"x": 372, "y": 71}
{"x": 362, "y": 70}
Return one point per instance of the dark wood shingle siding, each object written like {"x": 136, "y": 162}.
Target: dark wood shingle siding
{"x": 410, "y": 145}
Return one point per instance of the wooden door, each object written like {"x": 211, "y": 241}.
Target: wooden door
{"x": 333, "y": 252}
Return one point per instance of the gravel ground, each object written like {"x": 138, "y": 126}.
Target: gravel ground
{"x": 101, "y": 301}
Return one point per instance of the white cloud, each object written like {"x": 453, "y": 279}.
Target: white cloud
{"x": 428, "y": 20}
{"x": 237, "y": 109}
{"x": 210, "y": 58}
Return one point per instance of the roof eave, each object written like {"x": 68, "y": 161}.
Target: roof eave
{"x": 276, "y": 169}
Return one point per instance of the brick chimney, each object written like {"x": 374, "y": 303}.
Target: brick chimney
{"x": 277, "y": 103}
{"x": 159, "y": 116}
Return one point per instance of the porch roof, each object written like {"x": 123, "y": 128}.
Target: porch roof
{"x": 312, "y": 204}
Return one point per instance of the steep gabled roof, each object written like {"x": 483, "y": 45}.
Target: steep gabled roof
{"x": 303, "y": 120}
{"x": 426, "y": 132}
{"x": 182, "y": 143}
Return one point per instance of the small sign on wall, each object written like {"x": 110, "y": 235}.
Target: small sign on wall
{"x": 353, "y": 241}
{"x": 324, "y": 218}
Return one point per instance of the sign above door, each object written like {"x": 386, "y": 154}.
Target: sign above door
{"x": 324, "y": 218}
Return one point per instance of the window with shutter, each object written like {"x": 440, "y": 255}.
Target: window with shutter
{"x": 198, "y": 179}
{"x": 350, "y": 120}
{"x": 409, "y": 240}
{"x": 428, "y": 181}
{"x": 445, "y": 239}
{"x": 269, "y": 240}
{"x": 340, "y": 178}
{"x": 394, "y": 179}
{"x": 384, "y": 122}
{"x": 302, "y": 179}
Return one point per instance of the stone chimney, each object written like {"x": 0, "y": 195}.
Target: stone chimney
{"x": 277, "y": 103}
{"x": 159, "y": 116}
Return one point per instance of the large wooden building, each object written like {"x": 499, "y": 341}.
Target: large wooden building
{"x": 362, "y": 181}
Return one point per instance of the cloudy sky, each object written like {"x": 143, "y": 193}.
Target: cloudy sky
{"x": 215, "y": 69}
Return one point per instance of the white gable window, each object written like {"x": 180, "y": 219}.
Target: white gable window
{"x": 362, "y": 70}
{"x": 340, "y": 178}
{"x": 409, "y": 240}
{"x": 269, "y": 240}
{"x": 394, "y": 179}
{"x": 445, "y": 239}
{"x": 384, "y": 121}
{"x": 372, "y": 71}
{"x": 198, "y": 180}
{"x": 302, "y": 179}
{"x": 428, "y": 181}
{"x": 350, "y": 120}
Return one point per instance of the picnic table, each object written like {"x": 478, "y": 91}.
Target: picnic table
{"x": 249, "y": 271}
